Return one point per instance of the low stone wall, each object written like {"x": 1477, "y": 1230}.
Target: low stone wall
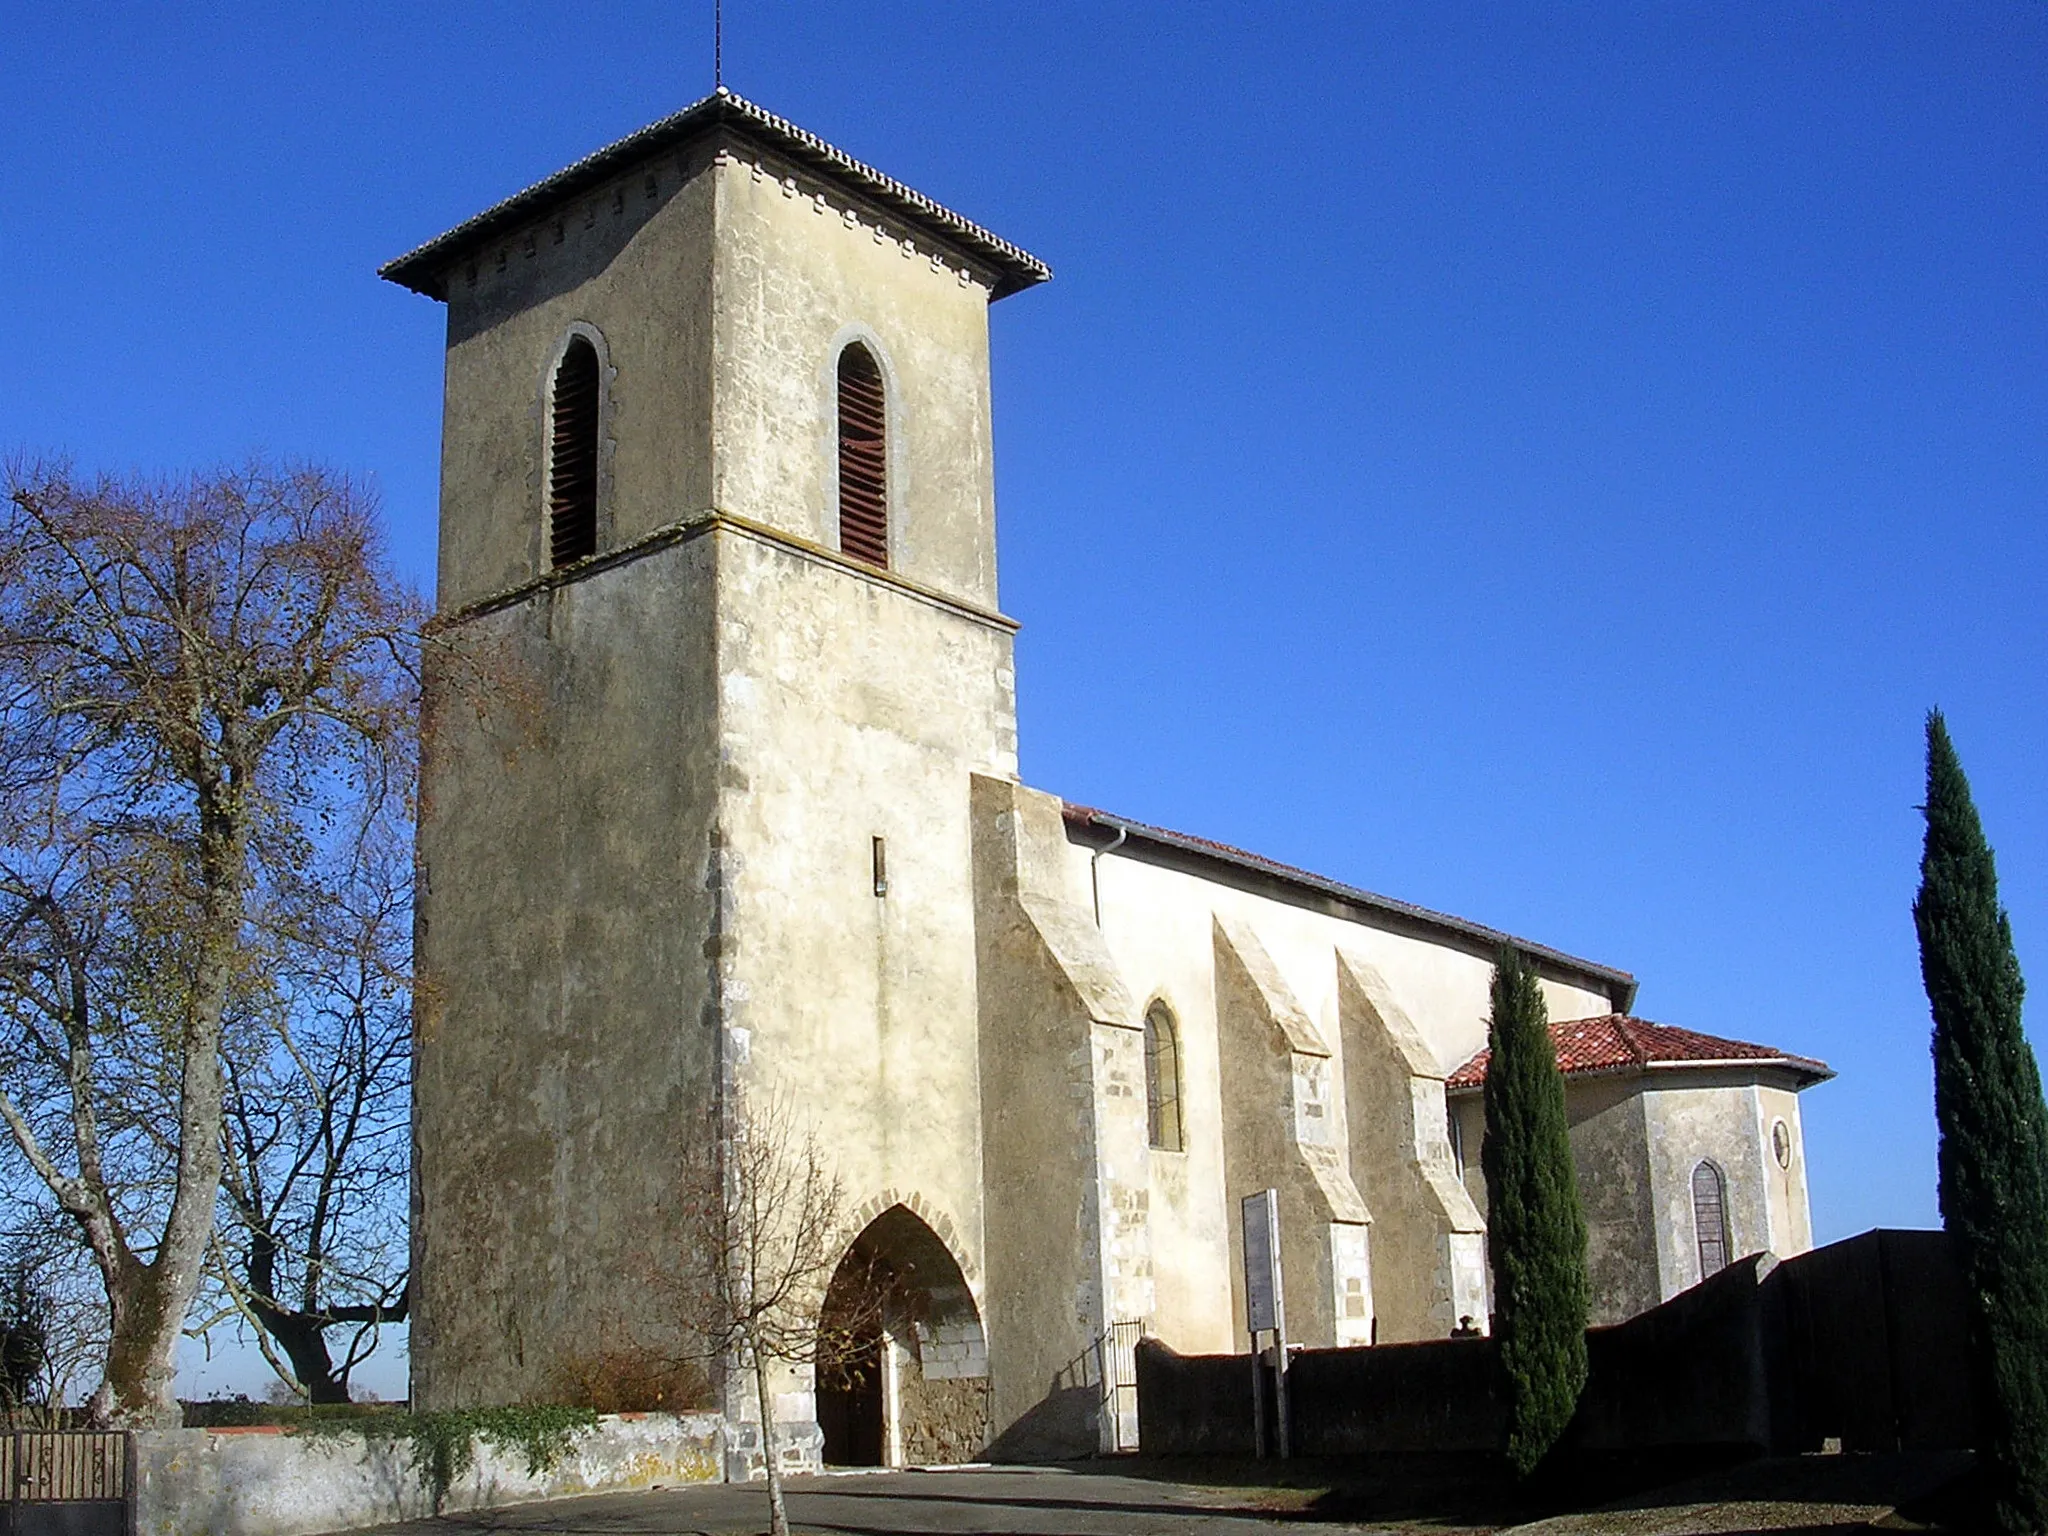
{"x": 1876, "y": 1332}
{"x": 1192, "y": 1405}
{"x": 267, "y": 1482}
{"x": 1438, "y": 1396}
{"x": 799, "y": 1443}
{"x": 1693, "y": 1373}
{"x": 1864, "y": 1342}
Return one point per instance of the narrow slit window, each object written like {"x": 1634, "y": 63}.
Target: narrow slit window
{"x": 863, "y": 459}
{"x": 572, "y": 455}
{"x": 1162, "y": 1079}
{"x": 1710, "y": 1218}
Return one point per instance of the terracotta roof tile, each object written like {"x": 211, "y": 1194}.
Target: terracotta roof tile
{"x": 1615, "y": 1042}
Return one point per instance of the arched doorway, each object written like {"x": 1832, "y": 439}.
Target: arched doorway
{"x": 903, "y": 1363}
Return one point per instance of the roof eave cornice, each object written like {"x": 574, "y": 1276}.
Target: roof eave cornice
{"x": 1807, "y": 1072}
{"x": 1011, "y": 268}
{"x": 1619, "y": 986}
{"x": 1796, "y": 1066}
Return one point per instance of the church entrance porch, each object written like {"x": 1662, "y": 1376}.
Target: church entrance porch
{"x": 902, "y": 1358}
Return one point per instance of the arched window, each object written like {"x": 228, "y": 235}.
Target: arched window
{"x": 1162, "y": 1079}
{"x": 863, "y": 459}
{"x": 1710, "y": 1218}
{"x": 572, "y": 454}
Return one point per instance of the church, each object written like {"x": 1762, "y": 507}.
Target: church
{"x": 739, "y": 814}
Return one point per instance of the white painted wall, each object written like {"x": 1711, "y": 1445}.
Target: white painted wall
{"x": 265, "y": 1482}
{"x": 1158, "y": 924}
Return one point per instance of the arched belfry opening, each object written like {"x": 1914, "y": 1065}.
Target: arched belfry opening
{"x": 574, "y": 398}
{"x": 903, "y": 1369}
{"x": 863, "y": 458}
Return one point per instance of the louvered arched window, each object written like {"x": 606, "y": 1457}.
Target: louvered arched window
{"x": 863, "y": 459}
{"x": 1162, "y": 1079}
{"x": 572, "y": 453}
{"x": 1710, "y": 1218}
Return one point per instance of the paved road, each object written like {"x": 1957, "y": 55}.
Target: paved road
{"x": 1011, "y": 1502}
{"x": 1838, "y": 1496}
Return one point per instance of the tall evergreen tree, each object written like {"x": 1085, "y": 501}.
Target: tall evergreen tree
{"x": 1535, "y": 1231}
{"x": 1994, "y": 1133}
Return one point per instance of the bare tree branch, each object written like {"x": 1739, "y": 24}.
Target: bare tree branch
{"x": 205, "y": 688}
{"x": 764, "y": 1224}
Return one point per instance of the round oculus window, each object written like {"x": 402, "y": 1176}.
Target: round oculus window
{"x": 1781, "y": 1143}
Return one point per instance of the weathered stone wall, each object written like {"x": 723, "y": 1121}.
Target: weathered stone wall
{"x": 566, "y": 1039}
{"x": 1189, "y": 1229}
{"x": 801, "y": 271}
{"x": 1279, "y": 1131}
{"x": 799, "y": 1443}
{"x": 651, "y": 861}
{"x": 1467, "y": 1118}
{"x": 850, "y": 710}
{"x": 1705, "y": 1120}
{"x": 1635, "y": 1142}
{"x": 854, "y": 704}
{"x": 1429, "y": 1240}
{"x": 1862, "y": 1341}
{"x": 1786, "y": 1205}
{"x": 1610, "y": 1156}
{"x": 263, "y": 1482}
{"x": 945, "y": 1420}
{"x": 569, "y": 891}
{"x": 1159, "y": 922}
{"x": 719, "y": 284}
{"x": 1063, "y": 1118}
{"x": 630, "y": 264}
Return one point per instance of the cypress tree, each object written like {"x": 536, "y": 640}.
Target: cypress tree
{"x": 1535, "y": 1231}
{"x": 1994, "y": 1134}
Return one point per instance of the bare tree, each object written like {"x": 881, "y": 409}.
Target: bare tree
{"x": 193, "y": 677}
{"x": 317, "y": 1127}
{"x": 764, "y": 1230}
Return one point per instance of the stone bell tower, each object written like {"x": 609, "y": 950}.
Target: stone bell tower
{"x": 718, "y": 653}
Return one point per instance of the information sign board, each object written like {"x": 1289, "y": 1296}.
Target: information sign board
{"x": 1264, "y": 1308}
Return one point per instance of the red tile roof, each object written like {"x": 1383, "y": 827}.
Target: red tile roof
{"x": 1616, "y": 1043}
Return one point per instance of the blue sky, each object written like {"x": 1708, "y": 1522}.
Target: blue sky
{"x": 1538, "y": 462}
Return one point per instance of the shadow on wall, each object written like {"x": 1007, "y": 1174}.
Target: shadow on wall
{"x": 1862, "y": 1341}
{"x": 1063, "y": 1426}
{"x": 1090, "y": 1409}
